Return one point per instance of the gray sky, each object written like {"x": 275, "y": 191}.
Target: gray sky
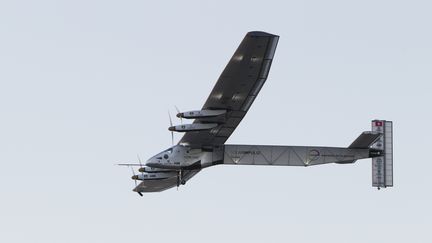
{"x": 87, "y": 84}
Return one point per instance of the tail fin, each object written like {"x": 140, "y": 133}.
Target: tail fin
{"x": 382, "y": 167}
{"x": 364, "y": 141}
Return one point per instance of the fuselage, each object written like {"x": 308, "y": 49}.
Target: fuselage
{"x": 181, "y": 157}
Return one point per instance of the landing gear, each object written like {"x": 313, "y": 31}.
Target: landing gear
{"x": 139, "y": 193}
{"x": 180, "y": 178}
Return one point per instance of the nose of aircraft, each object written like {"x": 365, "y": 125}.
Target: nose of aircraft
{"x": 151, "y": 162}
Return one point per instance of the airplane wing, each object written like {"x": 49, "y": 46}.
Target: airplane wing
{"x": 236, "y": 88}
{"x": 163, "y": 184}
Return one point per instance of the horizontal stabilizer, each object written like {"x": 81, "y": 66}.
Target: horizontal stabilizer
{"x": 365, "y": 140}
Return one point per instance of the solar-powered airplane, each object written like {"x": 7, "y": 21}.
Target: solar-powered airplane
{"x": 203, "y": 144}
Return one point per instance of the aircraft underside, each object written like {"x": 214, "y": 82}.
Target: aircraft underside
{"x": 203, "y": 144}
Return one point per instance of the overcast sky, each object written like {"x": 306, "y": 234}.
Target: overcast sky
{"x": 87, "y": 84}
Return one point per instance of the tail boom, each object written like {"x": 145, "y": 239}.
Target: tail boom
{"x": 376, "y": 144}
{"x": 291, "y": 155}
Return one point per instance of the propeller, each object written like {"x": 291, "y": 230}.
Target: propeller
{"x": 141, "y": 166}
{"x": 178, "y": 112}
{"x": 134, "y": 176}
{"x": 142, "y": 173}
{"x": 172, "y": 132}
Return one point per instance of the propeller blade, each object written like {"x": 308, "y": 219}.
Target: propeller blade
{"x": 169, "y": 115}
{"x": 139, "y": 160}
{"x": 133, "y": 173}
{"x": 178, "y": 112}
{"x": 172, "y": 138}
{"x": 140, "y": 163}
{"x": 172, "y": 133}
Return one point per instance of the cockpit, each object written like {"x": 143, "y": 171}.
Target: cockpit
{"x": 169, "y": 158}
{"x": 164, "y": 154}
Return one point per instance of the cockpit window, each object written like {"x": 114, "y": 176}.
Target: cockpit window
{"x": 168, "y": 151}
{"x": 164, "y": 153}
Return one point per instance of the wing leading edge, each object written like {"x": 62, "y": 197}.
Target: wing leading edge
{"x": 236, "y": 89}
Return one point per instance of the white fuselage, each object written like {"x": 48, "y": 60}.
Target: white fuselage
{"x": 182, "y": 157}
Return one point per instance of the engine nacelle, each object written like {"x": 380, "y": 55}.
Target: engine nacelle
{"x": 154, "y": 175}
{"x": 193, "y": 127}
{"x": 151, "y": 169}
{"x": 200, "y": 114}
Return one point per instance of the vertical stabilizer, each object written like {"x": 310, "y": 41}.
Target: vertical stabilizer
{"x": 382, "y": 167}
